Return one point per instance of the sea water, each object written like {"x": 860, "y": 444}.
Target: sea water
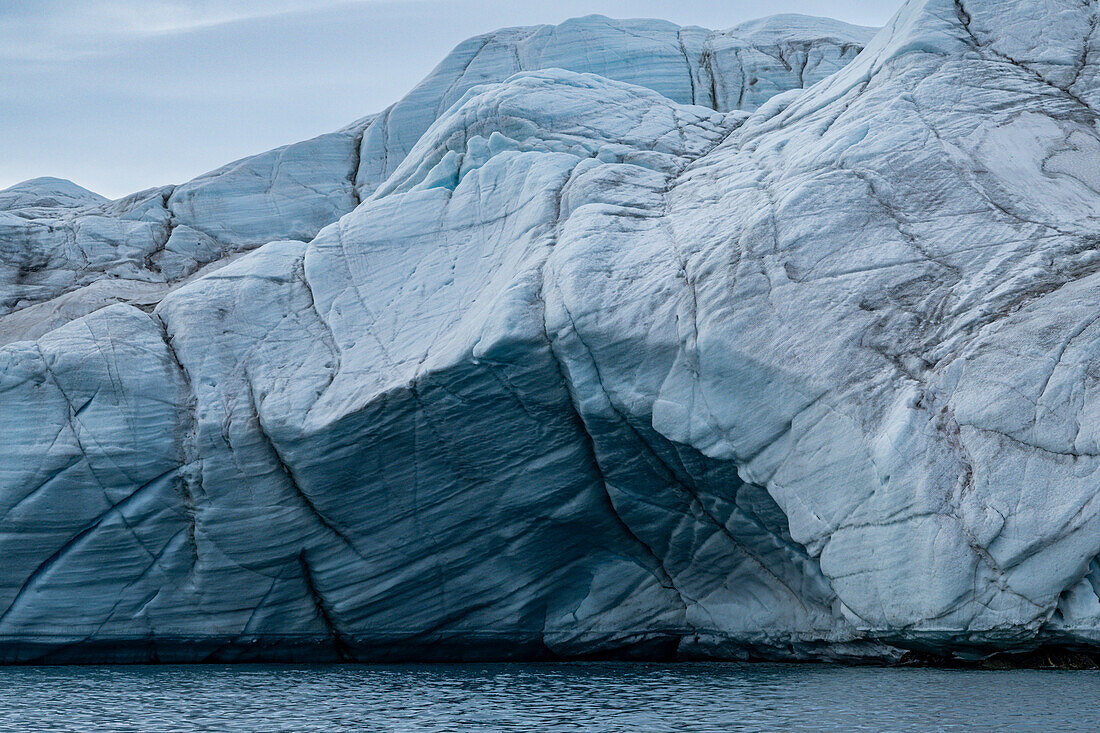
{"x": 545, "y": 697}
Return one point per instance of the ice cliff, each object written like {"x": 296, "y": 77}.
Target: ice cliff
{"x": 612, "y": 337}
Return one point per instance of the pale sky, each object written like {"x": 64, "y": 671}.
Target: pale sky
{"x": 121, "y": 95}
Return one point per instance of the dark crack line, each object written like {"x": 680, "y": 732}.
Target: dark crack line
{"x": 965, "y": 20}
{"x": 190, "y": 469}
{"x": 339, "y": 641}
{"x": 687, "y": 62}
{"x": 288, "y": 472}
{"x": 46, "y": 565}
{"x": 357, "y": 161}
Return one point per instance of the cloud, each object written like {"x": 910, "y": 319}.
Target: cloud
{"x": 173, "y": 16}
{"x": 50, "y": 30}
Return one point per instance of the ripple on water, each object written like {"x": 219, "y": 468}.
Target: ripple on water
{"x": 545, "y": 697}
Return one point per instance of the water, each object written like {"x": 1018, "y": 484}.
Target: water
{"x": 544, "y": 697}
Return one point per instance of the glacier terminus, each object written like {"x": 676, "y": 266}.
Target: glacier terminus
{"x": 610, "y": 339}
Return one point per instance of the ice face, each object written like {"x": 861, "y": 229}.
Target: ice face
{"x": 593, "y": 368}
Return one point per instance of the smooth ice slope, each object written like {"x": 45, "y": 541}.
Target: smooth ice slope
{"x": 593, "y": 370}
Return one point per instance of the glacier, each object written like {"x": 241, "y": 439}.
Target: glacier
{"x": 612, "y": 338}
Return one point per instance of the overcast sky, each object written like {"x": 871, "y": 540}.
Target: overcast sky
{"x": 121, "y": 95}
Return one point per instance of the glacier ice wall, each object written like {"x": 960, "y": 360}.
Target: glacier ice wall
{"x": 580, "y": 366}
